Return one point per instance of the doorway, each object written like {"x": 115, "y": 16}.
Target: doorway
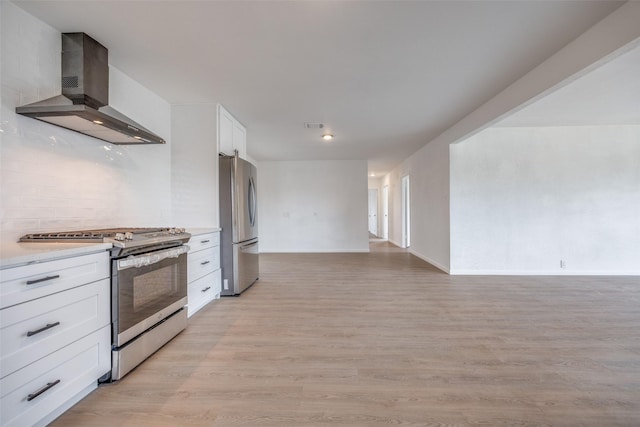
{"x": 406, "y": 212}
{"x": 385, "y": 212}
{"x": 373, "y": 211}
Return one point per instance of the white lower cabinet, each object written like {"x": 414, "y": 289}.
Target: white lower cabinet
{"x": 204, "y": 290}
{"x": 36, "y": 391}
{"x": 203, "y": 271}
{"x": 33, "y": 329}
{"x": 56, "y": 336}
{"x": 28, "y": 282}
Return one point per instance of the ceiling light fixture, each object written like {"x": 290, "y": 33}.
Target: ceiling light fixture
{"x": 327, "y": 137}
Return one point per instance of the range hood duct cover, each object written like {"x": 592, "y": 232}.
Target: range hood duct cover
{"x": 84, "y": 103}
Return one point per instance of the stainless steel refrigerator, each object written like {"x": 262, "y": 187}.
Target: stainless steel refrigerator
{"x": 239, "y": 222}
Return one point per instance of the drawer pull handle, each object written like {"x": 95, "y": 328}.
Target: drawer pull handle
{"x": 205, "y": 241}
{"x": 44, "y": 328}
{"x": 205, "y": 262}
{"x": 42, "y": 390}
{"x": 206, "y": 289}
{"x": 44, "y": 279}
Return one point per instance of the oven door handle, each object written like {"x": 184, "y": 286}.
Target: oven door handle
{"x": 142, "y": 260}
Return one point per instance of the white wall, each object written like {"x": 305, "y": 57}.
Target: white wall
{"x": 525, "y": 198}
{"x": 429, "y": 167}
{"x": 194, "y": 171}
{"x": 428, "y": 171}
{"x": 55, "y": 179}
{"x": 313, "y": 206}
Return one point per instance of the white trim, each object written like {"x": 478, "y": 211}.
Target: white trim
{"x": 429, "y": 260}
{"x": 385, "y": 212}
{"x": 405, "y": 209}
{"x": 543, "y": 273}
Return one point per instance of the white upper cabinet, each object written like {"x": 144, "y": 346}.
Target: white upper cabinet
{"x": 232, "y": 135}
{"x": 240, "y": 139}
{"x": 225, "y": 131}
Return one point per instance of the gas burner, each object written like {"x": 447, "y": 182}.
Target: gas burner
{"x": 119, "y": 237}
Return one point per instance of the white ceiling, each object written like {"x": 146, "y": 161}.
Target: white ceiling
{"x": 608, "y": 95}
{"x": 385, "y": 77}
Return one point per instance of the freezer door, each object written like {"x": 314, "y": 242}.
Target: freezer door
{"x": 246, "y": 201}
{"x": 246, "y": 265}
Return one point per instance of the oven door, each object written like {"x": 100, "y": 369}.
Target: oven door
{"x": 147, "y": 288}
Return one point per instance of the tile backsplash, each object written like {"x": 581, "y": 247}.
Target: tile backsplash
{"x": 54, "y": 179}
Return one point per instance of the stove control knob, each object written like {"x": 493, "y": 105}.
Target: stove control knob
{"x": 172, "y": 231}
{"x": 128, "y": 235}
{"x": 119, "y": 236}
{"x": 179, "y": 230}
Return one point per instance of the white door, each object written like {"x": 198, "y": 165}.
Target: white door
{"x": 385, "y": 212}
{"x": 406, "y": 213}
{"x": 373, "y": 211}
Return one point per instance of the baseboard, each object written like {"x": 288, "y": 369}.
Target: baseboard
{"x": 456, "y": 272}
{"x": 429, "y": 260}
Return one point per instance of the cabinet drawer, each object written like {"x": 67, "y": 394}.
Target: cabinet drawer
{"x": 36, "y": 328}
{"x": 204, "y": 290}
{"x": 76, "y": 367}
{"x": 203, "y": 241}
{"x": 203, "y": 262}
{"x": 33, "y": 281}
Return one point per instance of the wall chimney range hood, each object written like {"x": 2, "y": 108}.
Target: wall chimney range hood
{"x": 83, "y": 105}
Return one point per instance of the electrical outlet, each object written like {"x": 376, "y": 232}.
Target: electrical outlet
{"x": 563, "y": 264}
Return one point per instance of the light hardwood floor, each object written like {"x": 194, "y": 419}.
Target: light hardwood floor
{"x": 386, "y": 339}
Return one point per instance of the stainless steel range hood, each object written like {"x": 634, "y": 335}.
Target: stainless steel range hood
{"x": 83, "y": 105}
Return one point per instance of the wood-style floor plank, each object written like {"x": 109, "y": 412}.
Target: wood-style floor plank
{"x": 386, "y": 339}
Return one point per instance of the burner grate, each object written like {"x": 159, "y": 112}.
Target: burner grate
{"x": 88, "y": 235}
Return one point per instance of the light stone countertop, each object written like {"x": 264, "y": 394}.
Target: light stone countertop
{"x": 199, "y": 231}
{"x": 13, "y": 254}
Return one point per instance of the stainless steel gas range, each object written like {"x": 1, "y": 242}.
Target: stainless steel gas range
{"x": 148, "y": 288}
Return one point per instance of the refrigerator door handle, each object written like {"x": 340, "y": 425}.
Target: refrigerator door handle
{"x": 248, "y": 246}
{"x": 252, "y": 202}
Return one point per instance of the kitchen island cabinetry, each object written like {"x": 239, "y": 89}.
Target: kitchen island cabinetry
{"x": 232, "y": 135}
{"x": 203, "y": 269}
{"x": 55, "y": 334}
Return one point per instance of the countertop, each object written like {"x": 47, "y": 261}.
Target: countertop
{"x": 13, "y": 254}
{"x": 199, "y": 231}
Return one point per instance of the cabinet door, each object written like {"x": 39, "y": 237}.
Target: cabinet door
{"x": 240, "y": 139}
{"x": 203, "y": 241}
{"x": 34, "y": 329}
{"x": 225, "y": 131}
{"x": 39, "y": 389}
{"x": 33, "y": 281}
